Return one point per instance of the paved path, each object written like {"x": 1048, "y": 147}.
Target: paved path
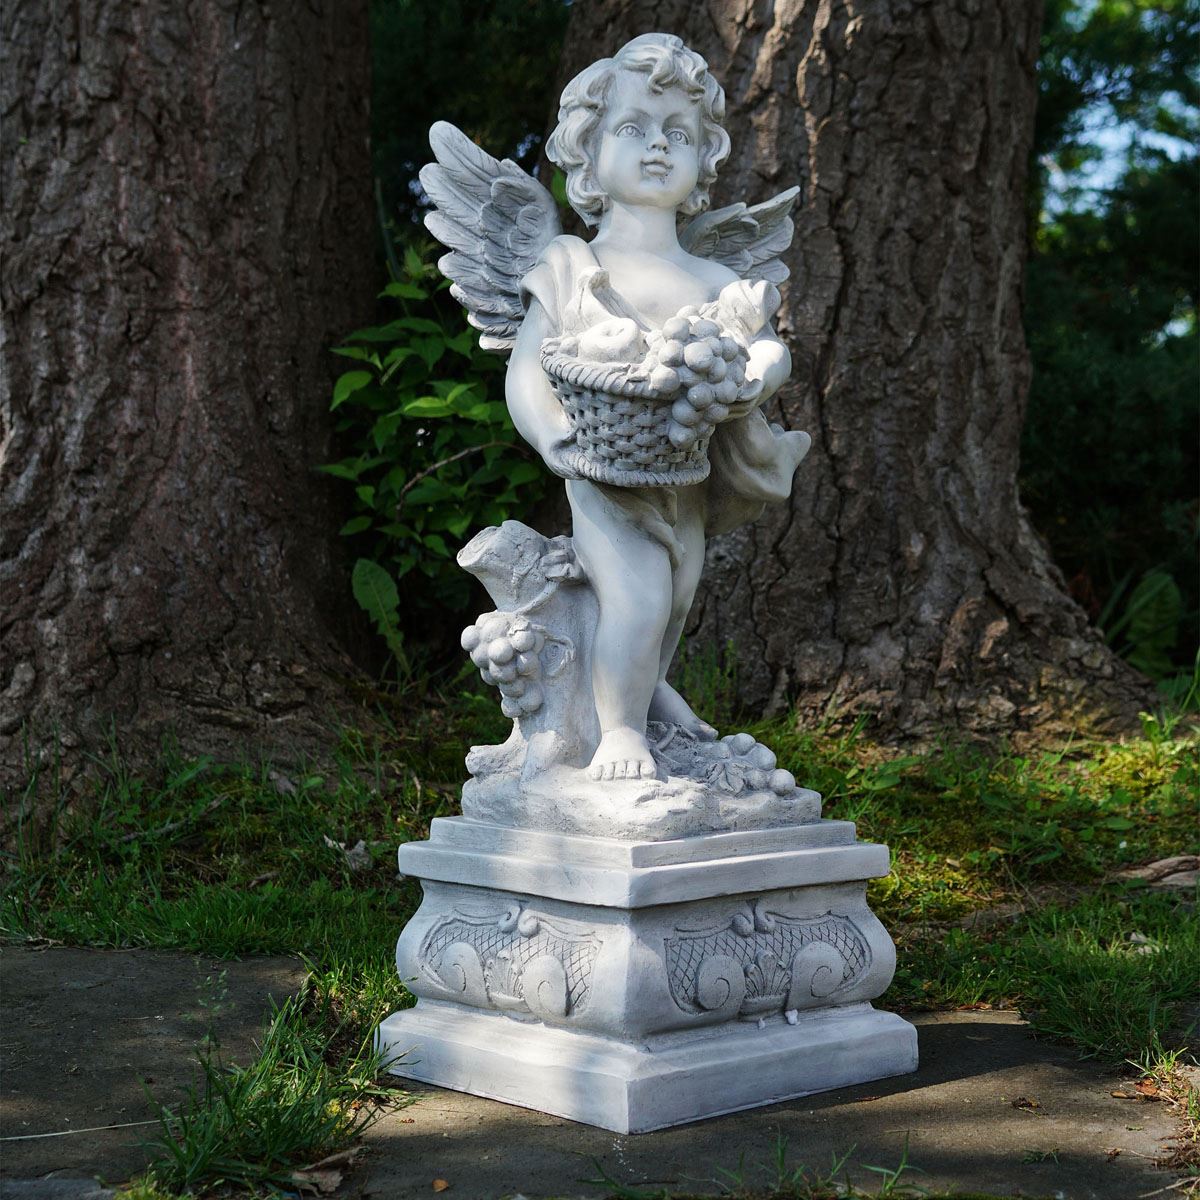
{"x": 961, "y": 1114}
{"x": 82, "y": 1026}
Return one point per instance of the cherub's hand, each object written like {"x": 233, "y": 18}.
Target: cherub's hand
{"x": 749, "y": 397}
{"x": 766, "y": 368}
{"x": 558, "y": 449}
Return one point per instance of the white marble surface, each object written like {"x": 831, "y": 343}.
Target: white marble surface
{"x": 625, "y": 874}
{"x": 637, "y": 922}
{"x": 670, "y": 1081}
{"x": 639, "y": 362}
{"x": 634, "y": 985}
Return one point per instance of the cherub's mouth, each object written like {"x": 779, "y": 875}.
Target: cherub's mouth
{"x": 656, "y": 168}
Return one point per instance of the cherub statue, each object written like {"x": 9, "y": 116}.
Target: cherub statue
{"x": 638, "y": 360}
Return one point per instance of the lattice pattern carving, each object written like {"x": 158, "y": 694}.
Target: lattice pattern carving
{"x": 766, "y": 950}
{"x": 509, "y": 946}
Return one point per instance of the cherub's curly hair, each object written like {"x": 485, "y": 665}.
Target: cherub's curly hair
{"x": 667, "y": 61}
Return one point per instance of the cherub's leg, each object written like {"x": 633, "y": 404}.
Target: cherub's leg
{"x": 631, "y": 574}
{"x": 667, "y": 704}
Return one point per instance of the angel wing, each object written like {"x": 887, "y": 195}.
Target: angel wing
{"x": 747, "y": 240}
{"x": 495, "y": 220}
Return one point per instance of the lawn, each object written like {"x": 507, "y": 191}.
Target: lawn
{"x": 1005, "y": 892}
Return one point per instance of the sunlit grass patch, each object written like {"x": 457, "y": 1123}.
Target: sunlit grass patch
{"x": 252, "y": 1126}
{"x": 1110, "y": 974}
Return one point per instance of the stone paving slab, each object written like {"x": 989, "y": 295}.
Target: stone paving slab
{"x": 82, "y": 1027}
{"x": 958, "y": 1114}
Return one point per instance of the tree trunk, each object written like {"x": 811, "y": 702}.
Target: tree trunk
{"x": 188, "y": 225}
{"x": 904, "y": 579}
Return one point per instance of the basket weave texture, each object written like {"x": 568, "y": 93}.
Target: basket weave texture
{"x": 621, "y": 425}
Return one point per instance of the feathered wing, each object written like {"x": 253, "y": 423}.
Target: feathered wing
{"x": 496, "y": 221}
{"x": 749, "y": 241}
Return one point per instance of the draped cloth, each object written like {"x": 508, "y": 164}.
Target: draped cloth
{"x": 752, "y": 462}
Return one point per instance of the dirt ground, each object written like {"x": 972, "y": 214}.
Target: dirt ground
{"x": 990, "y": 1110}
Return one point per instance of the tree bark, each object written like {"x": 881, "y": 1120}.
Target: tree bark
{"x": 187, "y": 226}
{"x": 904, "y": 579}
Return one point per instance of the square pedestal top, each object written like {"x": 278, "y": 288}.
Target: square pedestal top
{"x": 628, "y": 874}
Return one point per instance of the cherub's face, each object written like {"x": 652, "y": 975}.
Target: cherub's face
{"x": 649, "y": 147}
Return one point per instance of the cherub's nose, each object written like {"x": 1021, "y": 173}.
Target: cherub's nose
{"x": 658, "y": 140}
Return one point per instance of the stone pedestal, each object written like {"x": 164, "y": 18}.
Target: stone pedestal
{"x": 635, "y": 985}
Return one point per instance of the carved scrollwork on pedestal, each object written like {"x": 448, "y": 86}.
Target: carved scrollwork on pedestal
{"x": 513, "y": 960}
{"x": 760, "y": 962}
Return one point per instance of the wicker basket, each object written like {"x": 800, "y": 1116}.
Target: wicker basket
{"x": 621, "y": 425}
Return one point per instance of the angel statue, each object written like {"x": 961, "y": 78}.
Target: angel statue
{"x": 639, "y": 361}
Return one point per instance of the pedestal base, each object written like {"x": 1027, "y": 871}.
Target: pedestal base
{"x": 636, "y": 985}
{"x": 667, "y": 1081}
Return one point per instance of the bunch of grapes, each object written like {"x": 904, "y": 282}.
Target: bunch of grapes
{"x": 505, "y": 648}
{"x": 694, "y": 354}
{"x": 761, "y": 773}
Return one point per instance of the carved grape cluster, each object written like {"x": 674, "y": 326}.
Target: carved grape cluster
{"x": 505, "y": 648}
{"x": 748, "y": 763}
{"x": 707, "y": 364}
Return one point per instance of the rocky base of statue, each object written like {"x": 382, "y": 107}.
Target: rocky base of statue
{"x": 635, "y": 985}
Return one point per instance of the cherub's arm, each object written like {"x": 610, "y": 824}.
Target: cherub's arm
{"x": 770, "y": 361}
{"x": 767, "y": 371}
{"x": 535, "y": 410}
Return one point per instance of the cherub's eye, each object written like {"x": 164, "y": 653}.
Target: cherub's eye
{"x": 679, "y": 137}
{"x": 629, "y": 129}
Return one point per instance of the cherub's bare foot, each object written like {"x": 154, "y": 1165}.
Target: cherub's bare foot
{"x": 623, "y": 753}
{"x": 668, "y": 706}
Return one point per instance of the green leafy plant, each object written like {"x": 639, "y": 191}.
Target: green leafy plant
{"x": 1147, "y": 630}
{"x": 433, "y": 455}
{"x": 377, "y": 595}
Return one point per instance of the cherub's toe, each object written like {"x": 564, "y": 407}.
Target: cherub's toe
{"x": 596, "y": 771}
{"x": 610, "y": 770}
{"x": 706, "y": 732}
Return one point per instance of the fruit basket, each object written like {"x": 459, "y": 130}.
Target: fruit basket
{"x": 647, "y": 423}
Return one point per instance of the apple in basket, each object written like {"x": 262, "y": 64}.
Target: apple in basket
{"x": 616, "y": 341}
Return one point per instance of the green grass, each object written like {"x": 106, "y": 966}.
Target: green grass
{"x": 1071, "y": 969}
{"x": 246, "y": 1127}
{"x": 243, "y": 860}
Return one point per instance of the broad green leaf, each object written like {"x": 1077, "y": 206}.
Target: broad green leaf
{"x": 404, "y": 291}
{"x": 348, "y": 384}
{"x": 1155, "y": 610}
{"x": 341, "y": 470}
{"x": 523, "y": 472}
{"x": 377, "y": 595}
{"x": 462, "y": 395}
{"x": 458, "y": 524}
{"x": 427, "y": 406}
{"x": 430, "y": 348}
{"x": 360, "y": 353}
{"x": 385, "y": 428}
{"x": 463, "y": 343}
{"x": 397, "y": 355}
{"x": 413, "y": 263}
